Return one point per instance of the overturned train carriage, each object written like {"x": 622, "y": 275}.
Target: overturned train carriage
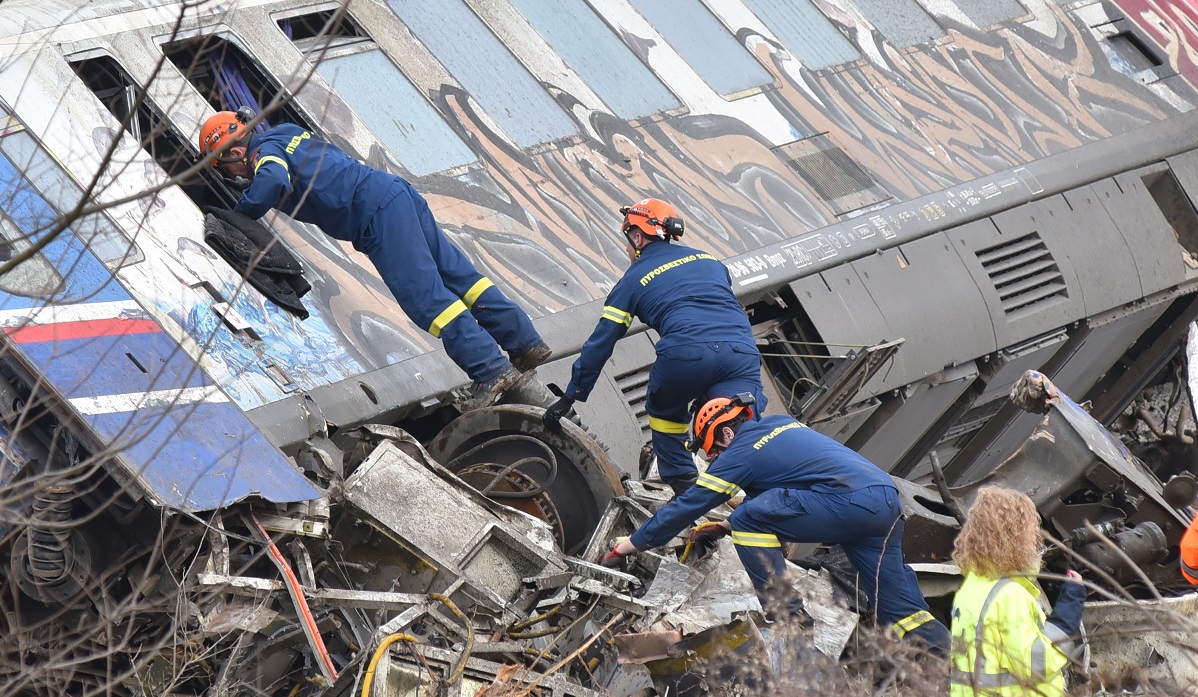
{"x": 919, "y": 202}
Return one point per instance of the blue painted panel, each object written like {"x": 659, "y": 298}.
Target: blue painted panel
{"x": 987, "y": 12}
{"x": 902, "y": 22}
{"x": 198, "y": 458}
{"x": 705, "y": 44}
{"x": 190, "y": 457}
{"x": 99, "y": 365}
{"x": 620, "y": 79}
{"x": 401, "y": 118}
{"x": 805, "y": 32}
{"x": 492, "y": 75}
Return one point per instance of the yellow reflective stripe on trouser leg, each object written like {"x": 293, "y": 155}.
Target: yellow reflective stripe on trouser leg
{"x": 912, "y": 621}
{"x": 667, "y": 426}
{"x": 755, "y": 539}
{"x": 447, "y": 315}
{"x": 719, "y": 486}
{"x": 476, "y": 290}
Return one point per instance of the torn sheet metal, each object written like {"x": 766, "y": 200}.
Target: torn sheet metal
{"x": 443, "y": 522}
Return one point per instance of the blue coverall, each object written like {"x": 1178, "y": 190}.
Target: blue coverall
{"x": 706, "y": 348}
{"x": 802, "y": 486}
{"x": 313, "y": 181}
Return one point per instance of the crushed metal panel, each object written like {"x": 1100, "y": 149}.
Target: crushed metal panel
{"x": 445, "y": 523}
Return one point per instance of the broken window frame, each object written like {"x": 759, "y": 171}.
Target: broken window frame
{"x": 206, "y": 189}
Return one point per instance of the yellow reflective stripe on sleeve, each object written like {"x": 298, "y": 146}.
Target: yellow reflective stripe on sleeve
{"x": 664, "y": 426}
{"x": 912, "y": 621}
{"x": 617, "y": 315}
{"x": 717, "y": 485}
{"x": 273, "y": 158}
{"x": 447, "y": 315}
{"x": 476, "y": 290}
{"x": 755, "y": 539}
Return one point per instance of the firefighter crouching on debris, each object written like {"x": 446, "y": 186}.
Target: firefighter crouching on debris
{"x": 313, "y": 181}
{"x": 706, "y": 347}
{"x": 800, "y": 486}
{"x": 1189, "y": 552}
{"x": 1002, "y": 644}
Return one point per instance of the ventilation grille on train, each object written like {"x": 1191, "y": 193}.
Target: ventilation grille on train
{"x": 832, "y": 174}
{"x": 635, "y": 388}
{"x": 1024, "y": 274}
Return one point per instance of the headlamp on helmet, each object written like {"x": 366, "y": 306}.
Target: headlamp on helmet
{"x": 653, "y": 218}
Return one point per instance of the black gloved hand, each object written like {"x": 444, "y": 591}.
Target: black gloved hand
{"x": 555, "y": 412}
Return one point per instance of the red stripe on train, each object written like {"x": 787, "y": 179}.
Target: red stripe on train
{"x": 84, "y": 329}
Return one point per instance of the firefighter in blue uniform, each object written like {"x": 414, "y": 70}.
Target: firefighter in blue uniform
{"x": 706, "y": 347}
{"x": 311, "y": 180}
{"x": 800, "y": 486}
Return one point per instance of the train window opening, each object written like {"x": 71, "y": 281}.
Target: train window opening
{"x": 1136, "y": 52}
{"x": 319, "y": 29}
{"x": 1177, "y": 208}
{"x": 706, "y": 45}
{"x": 509, "y": 94}
{"x": 229, "y": 78}
{"x": 379, "y": 93}
{"x": 607, "y": 64}
{"x": 121, "y": 95}
{"x": 805, "y": 32}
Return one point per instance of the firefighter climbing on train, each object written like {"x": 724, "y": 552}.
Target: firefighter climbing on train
{"x": 289, "y": 169}
{"x": 800, "y": 486}
{"x": 706, "y": 346}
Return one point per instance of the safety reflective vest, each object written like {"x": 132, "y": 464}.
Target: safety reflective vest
{"x": 1189, "y": 553}
{"x": 999, "y": 644}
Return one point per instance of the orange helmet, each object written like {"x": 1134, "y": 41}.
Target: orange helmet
{"x": 221, "y": 127}
{"x": 715, "y": 413}
{"x": 654, "y": 218}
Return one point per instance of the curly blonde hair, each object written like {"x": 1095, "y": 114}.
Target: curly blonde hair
{"x": 1000, "y": 536}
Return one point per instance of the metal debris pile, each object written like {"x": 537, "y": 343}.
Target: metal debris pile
{"x": 469, "y": 568}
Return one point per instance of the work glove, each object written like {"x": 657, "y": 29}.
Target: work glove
{"x": 615, "y": 558}
{"x": 706, "y": 534}
{"x": 553, "y": 415}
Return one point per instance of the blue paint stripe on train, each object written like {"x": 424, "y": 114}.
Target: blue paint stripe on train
{"x": 194, "y": 457}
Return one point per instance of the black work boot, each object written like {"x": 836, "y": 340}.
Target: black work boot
{"x": 533, "y": 357}
{"x": 484, "y": 394}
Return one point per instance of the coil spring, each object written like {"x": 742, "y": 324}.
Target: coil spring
{"x": 50, "y": 558}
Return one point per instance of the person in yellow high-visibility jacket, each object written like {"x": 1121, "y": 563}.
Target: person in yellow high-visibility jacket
{"x": 1002, "y": 643}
